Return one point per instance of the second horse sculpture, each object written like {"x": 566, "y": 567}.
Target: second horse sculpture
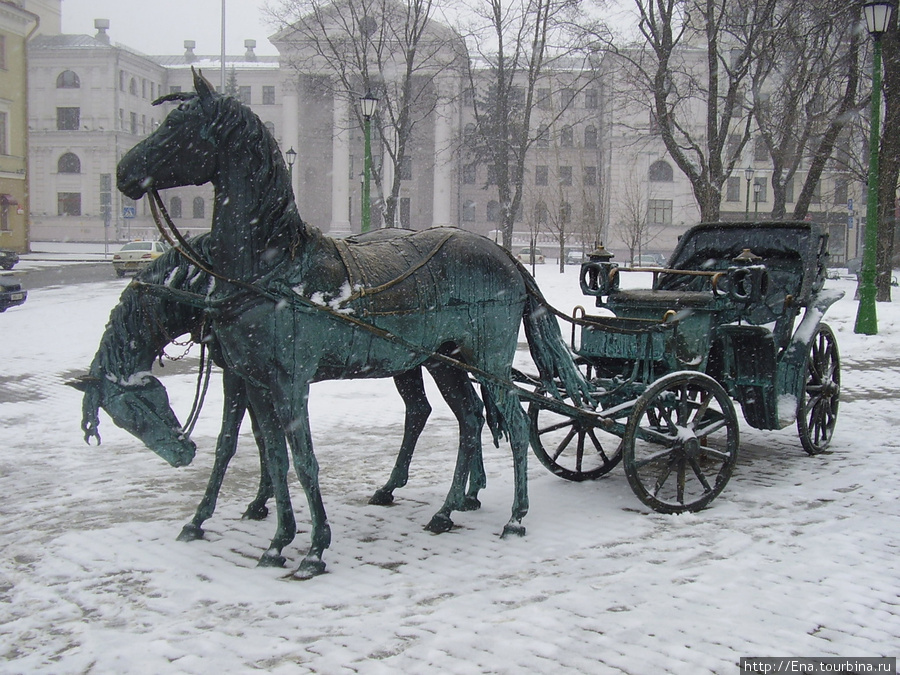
{"x": 292, "y": 306}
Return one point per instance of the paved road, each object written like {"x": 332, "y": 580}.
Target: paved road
{"x": 65, "y": 274}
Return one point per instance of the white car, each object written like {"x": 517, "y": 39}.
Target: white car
{"x": 137, "y": 255}
{"x": 525, "y": 256}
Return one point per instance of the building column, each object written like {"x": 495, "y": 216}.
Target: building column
{"x": 340, "y": 170}
{"x": 442, "y": 201}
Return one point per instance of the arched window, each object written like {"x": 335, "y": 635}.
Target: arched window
{"x": 175, "y": 207}
{"x": 660, "y": 172}
{"x": 468, "y": 212}
{"x": 493, "y": 211}
{"x": 68, "y": 79}
{"x": 590, "y": 137}
{"x": 199, "y": 208}
{"x": 68, "y": 163}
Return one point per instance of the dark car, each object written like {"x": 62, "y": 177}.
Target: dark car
{"x": 8, "y": 259}
{"x": 11, "y": 292}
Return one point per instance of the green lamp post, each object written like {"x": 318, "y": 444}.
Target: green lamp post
{"x": 878, "y": 16}
{"x": 748, "y": 176}
{"x": 367, "y": 105}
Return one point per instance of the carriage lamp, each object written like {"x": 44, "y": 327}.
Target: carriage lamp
{"x": 878, "y": 16}
{"x": 748, "y": 175}
{"x": 367, "y": 106}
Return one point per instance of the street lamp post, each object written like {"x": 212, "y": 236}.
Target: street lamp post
{"x": 367, "y": 104}
{"x": 756, "y": 189}
{"x": 291, "y": 156}
{"x": 878, "y": 16}
{"x": 748, "y": 175}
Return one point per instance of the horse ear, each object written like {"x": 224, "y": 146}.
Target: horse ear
{"x": 203, "y": 86}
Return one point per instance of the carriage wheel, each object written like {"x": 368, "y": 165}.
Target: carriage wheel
{"x": 817, "y": 407}
{"x": 573, "y": 448}
{"x": 681, "y": 443}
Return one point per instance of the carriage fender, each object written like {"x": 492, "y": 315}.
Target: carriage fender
{"x": 791, "y": 372}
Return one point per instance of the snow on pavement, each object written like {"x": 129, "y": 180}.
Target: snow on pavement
{"x": 798, "y": 556}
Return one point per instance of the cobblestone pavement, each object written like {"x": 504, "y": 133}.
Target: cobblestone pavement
{"x": 798, "y": 556}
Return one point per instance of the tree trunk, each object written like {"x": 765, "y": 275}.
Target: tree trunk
{"x": 889, "y": 169}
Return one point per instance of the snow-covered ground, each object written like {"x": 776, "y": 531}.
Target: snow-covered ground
{"x": 798, "y": 556}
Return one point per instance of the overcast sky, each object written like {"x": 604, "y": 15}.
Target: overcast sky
{"x": 162, "y": 26}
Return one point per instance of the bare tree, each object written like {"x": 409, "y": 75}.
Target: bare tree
{"x": 696, "y": 68}
{"x": 388, "y": 48}
{"x": 513, "y": 46}
{"x": 889, "y": 173}
{"x": 633, "y": 229}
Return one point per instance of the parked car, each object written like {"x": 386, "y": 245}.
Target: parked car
{"x": 136, "y": 255}
{"x": 525, "y": 256}
{"x": 575, "y": 256}
{"x": 11, "y": 292}
{"x": 8, "y": 259}
{"x": 649, "y": 260}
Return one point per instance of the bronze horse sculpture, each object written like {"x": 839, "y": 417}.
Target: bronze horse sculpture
{"x": 292, "y": 306}
{"x": 146, "y": 321}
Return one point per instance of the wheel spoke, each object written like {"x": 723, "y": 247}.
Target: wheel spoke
{"x": 598, "y": 446}
{"x": 699, "y": 474}
{"x": 556, "y": 427}
{"x": 565, "y": 443}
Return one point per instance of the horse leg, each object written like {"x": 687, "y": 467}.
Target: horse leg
{"x": 459, "y": 394}
{"x": 257, "y": 509}
{"x": 295, "y": 418}
{"x": 412, "y": 390}
{"x": 235, "y": 404}
{"x": 278, "y": 464}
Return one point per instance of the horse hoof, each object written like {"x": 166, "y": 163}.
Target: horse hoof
{"x": 271, "y": 560}
{"x": 513, "y": 529}
{"x": 382, "y": 498}
{"x": 439, "y": 523}
{"x": 309, "y": 568}
{"x": 190, "y": 532}
{"x": 255, "y": 512}
{"x": 470, "y": 503}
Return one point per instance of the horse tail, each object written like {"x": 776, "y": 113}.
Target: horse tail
{"x": 548, "y": 349}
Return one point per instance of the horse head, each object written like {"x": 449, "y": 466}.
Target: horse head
{"x": 182, "y": 150}
{"x": 142, "y": 409}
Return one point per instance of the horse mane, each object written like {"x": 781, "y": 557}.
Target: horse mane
{"x": 143, "y": 323}
{"x": 238, "y": 131}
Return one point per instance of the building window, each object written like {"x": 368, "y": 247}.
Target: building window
{"x": 469, "y": 137}
{"x": 567, "y": 137}
{"x": 270, "y": 126}
{"x": 789, "y": 190}
{"x": 244, "y": 95}
{"x": 68, "y": 119}
{"x": 566, "y": 98}
{"x": 565, "y": 175}
{"x": 268, "y": 94}
{"x": 543, "y": 99}
{"x": 405, "y": 212}
{"x": 468, "y": 211}
{"x": 122, "y": 80}
{"x": 175, "y": 207}
{"x": 68, "y": 203}
{"x": 174, "y": 88}
{"x": 4, "y": 135}
{"x": 590, "y": 137}
{"x": 406, "y": 169}
{"x": 68, "y": 79}
{"x": 493, "y": 211}
{"x": 543, "y": 137}
{"x": 68, "y": 163}
{"x": 816, "y": 197}
{"x": 2, "y": 52}
{"x": 733, "y": 189}
{"x": 134, "y": 126}
{"x": 591, "y": 99}
{"x": 660, "y": 172}
{"x": 659, "y": 211}
{"x": 734, "y": 142}
{"x": 541, "y": 174}
{"x": 470, "y": 173}
{"x": 590, "y": 176}
{"x": 540, "y": 213}
{"x": 760, "y": 151}
{"x": 841, "y": 191}
{"x": 132, "y": 87}
{"x": 199, "y": 207}
{"x": 143, "y": 88}
{"x": 469, "y": 97}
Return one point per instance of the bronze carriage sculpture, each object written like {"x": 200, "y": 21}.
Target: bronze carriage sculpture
{"x": 288, "y": 306}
